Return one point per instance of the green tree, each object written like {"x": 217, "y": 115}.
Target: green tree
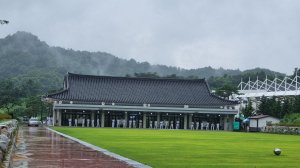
{"x": 293, "y": 118}
{"x": 286, "y": 107}
{"x": 249, "y": 110}
{"x": 33, "y": 106}
{"x": 226, "y": 90}
{"x": 296, "y": 104}
{"x": 262, "y": 107}
{"x": 147, "y": 75}
{"x": 8, "y": 95}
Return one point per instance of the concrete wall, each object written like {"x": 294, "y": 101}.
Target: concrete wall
{"x": 262, "y": 122}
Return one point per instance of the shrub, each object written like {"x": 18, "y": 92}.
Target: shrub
{"x": 5, "y": 116}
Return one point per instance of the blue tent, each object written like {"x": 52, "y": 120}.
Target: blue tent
{"x": 246, "y": 120}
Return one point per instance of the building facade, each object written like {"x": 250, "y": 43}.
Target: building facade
{"x": 133, "y": 99}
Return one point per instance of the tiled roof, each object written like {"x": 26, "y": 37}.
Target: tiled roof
{"x": 138, "y": 91}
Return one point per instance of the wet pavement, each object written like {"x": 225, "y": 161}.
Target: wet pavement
{"x": 39, "y": 147}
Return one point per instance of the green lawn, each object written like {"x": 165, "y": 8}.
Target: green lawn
{"x": 184, "y": 148}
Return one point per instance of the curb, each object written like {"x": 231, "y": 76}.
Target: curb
{"x": 114, "y": 155}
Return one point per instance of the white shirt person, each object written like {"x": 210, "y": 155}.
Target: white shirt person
{"x": 113, "y": 123}
{"x": 155, "y": 124}
{"x": 140, "y": 123}
{"x": 93, "y": 123}
{"x": 75, "y": 122}
{"x": 177, "y": 124}
{"x": 207, "y": 126}
{"x": 134, "y": 123}
{"x": 88, "y": 122}
{"x": 130, "y": 122}
{"x": 124, "y": 123}
{"x": 70, "y": 122}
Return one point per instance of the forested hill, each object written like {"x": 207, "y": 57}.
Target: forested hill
{"x": 24, "y": 56}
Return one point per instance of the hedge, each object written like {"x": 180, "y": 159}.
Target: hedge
{"x": 5, "y": 116}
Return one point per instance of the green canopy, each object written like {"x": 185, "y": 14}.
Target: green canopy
{"x": 242, "y": 118}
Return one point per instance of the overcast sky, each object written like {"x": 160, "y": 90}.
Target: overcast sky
{"x": 187, "y": 33}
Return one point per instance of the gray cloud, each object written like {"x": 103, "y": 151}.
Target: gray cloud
{"x": 187, "y": 34}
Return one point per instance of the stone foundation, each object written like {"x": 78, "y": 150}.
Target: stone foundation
{"x": 6, "y": 137}
{"x": 281, "y": 130}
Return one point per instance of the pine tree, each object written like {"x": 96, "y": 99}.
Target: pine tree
{"x": 296, "y": 104}
{"x": 262, "y": 107}
{"x": 248, "y": 111}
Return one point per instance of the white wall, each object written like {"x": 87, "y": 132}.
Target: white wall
{"x": 263, "y": 121}
{"x": 253, "y": 122}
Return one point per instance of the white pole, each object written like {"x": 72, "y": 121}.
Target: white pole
{"x": 285, "y": 83}
{"x": 241, "y": 83}
{"x": 296, "y": 79}
{"x": 249, "y": 85}
{"x": 266, "y": 82}
{"x": 256, "y": 83}
{"x": 275, "y": 82}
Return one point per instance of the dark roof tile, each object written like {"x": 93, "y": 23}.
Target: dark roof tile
{"x": 134, "y": 91}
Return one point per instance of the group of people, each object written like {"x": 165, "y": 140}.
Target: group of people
{"x": 88, "y": 122}
{"x": 132, "y": 124}
{"x": 204, "y": 124}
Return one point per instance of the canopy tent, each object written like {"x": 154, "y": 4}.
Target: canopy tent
{"x": 246, "y": 120}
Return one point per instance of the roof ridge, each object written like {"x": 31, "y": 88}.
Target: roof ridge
{"x": 137, "y": 78}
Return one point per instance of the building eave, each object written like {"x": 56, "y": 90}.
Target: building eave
{"x": 144, "y": 109}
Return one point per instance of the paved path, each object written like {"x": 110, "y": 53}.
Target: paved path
{"x": 39, "y": 147}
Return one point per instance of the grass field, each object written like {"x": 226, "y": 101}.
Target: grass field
{"x": 184, "y": 148}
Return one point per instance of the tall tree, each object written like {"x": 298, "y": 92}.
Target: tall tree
{"x": 226, "y": 90}
{"x": 8, "y": 95}
{"x": 249, "y": 110}
{"x": 262, "y": 107}
{"x": 33, "y": 105}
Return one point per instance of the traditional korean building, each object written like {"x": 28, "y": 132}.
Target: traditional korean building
{"x": 106, "y": 98}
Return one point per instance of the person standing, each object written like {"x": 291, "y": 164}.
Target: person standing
{"x": 155, "y": 124}
{"x": 192, "y": 125}
{"x": 201, "y": 125}
{"x": 212, "y": 126}
{"x": 51, "y": 121}
{"x": 177, "y": 124}
{"x": 124, "y": 123}
{"x": 166, "y": 124}
{"x": 134, "y": 123}
{"x": 197, "y": 125}
{"x": 207, "y": 125}
{"x": 83, "y": 122}
{"x": 70, "y": 122}
{"x": 227, "y": 126}
{"x": 88, "y": 122}
{"x": 130, "y": 122}
{"x": 75, "y": 125}
{"x": 150, "y": 124}
{"x": 98, "y": 122}
{"x": 118, "y": 123}
{"x": 218, "y": 125}
{"x": 93, "y": 123}
{"x": 171, "y": 124}
{"x": 140, "y": 123}
{"x": 161, "y": 124}
{"x": 113, "y": 123}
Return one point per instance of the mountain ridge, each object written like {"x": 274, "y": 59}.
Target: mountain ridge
{"x": 24, "y": 53}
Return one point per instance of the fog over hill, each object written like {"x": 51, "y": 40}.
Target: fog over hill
{"x": 25, "y": 55}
